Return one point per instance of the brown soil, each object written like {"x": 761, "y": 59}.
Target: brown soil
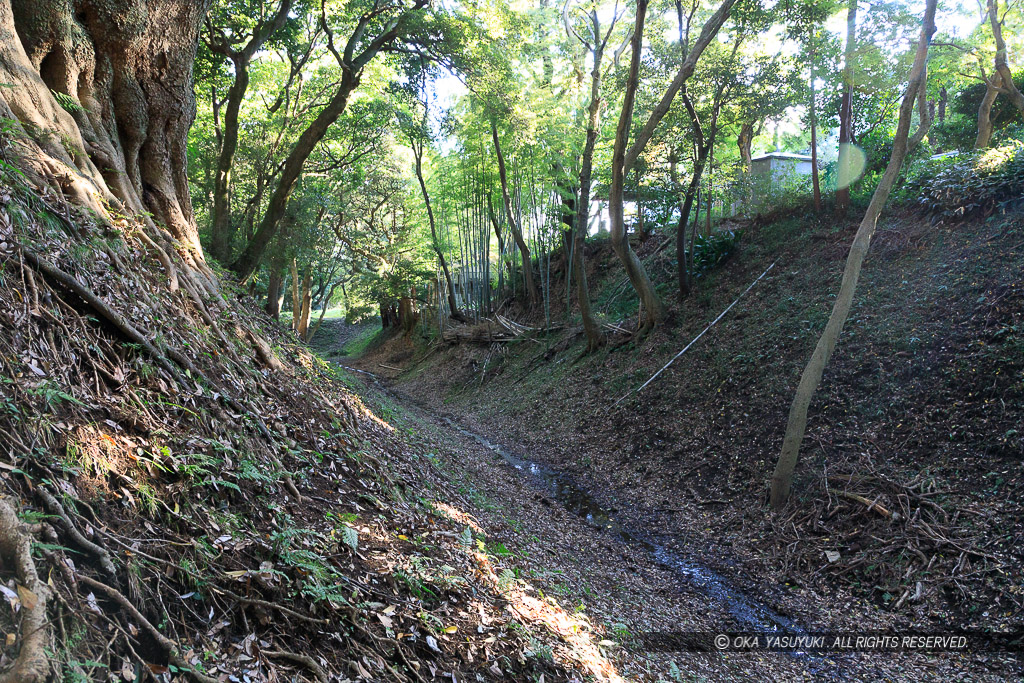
{"x": 920, "y": 411}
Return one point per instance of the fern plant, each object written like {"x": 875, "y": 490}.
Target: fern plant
{"x": 67, "y": 102}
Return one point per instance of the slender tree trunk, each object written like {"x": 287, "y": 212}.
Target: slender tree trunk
{"x": 595, "y": 337}
{"x": 221, "y": 232}
{"x": 684, "y": 246}
{"x": 624, "y": 159}
{"x": 305, "y": 305}
{"x": 652, "y": 308}
{"x": 1002, "y": 68}
{"x": 814, "y": 141}
{"x": 744, "y": 141}
{"x": 782, "y": 478}
{"x": 248, "y": 261}
{"x": 684, "y": 256}
{"x": 943, "y": 97}
{"x": 294, "y": 268}
{"x": 513, "y": 226}
{"x": 352, "y": 66}
{"x": 453, "y": 306}
{"x": 711, "y": 188}
{"x": 323, "y": 312}
{"x": 497, "y": 228}
{"x": 221, "y": 227}
{"x": 845, "y": 174}
{"x": 274, "y": 282}
{"x": 985, "y": 112}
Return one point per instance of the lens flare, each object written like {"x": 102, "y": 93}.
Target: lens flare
{"x": 852, "y": 162}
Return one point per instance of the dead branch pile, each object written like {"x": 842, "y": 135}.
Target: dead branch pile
{"x": 906, "y": 538}
{"x": 500, "y": 329}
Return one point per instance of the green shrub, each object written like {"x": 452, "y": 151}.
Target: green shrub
{"x": 955, "y": 186}
{"x": 877, "y": 146}
{"x": 957, "y": 132}
{"x": 710, "y": 250}
{"x": 756, "y": 193}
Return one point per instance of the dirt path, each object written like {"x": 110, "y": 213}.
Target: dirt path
{"x": 571, "y": 552}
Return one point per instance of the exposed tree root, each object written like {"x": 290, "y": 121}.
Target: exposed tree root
{"x": 136, "y": 337}
{"x": 32, "y": 665}
{"x": 55, "y": 508}
{"x": 165, "y": 260}
{"x": 110, "y": 315}
{"x": 272, "y": 606}
{"x": 169, "y": 647}
{"x": 265, "y": 353}
{"x": 307, "y": 662}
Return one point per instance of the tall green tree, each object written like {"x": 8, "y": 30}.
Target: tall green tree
{"x": 796, "y": 426}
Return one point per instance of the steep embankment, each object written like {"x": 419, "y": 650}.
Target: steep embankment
{"x": 187, "y": 494}
{"x": 919, "y": 414}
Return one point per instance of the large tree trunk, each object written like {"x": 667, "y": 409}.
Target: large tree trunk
{"x": 513, "y": 226}
{"x": 782, "y": 478}
{"x": 128, "y": 65}
{"x": 407, "y": 316}
{"x": 846, "y": 113}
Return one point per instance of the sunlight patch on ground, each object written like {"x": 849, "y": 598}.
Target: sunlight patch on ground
{"x": 579, "y": 648}
{"x": 458, "y": 516}
{"x": 575, "y": 632}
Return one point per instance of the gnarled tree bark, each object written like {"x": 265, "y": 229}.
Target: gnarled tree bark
{"x": 123, "y": 71}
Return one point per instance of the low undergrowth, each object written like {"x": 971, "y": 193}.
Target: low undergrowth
{"x": 959, "y": 185}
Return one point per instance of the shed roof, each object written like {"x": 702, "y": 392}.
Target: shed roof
{"x": 783, "y": 155}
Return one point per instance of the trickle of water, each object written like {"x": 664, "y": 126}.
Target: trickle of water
{"x": 749, "y": 613}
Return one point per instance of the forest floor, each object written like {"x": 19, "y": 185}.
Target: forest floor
{"x": 556, "y": 538}
{"x": 920, "y": 412}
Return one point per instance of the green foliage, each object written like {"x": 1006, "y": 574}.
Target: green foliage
{"x": 67, "y": 102}
{"x": 968, "y": 100}
{"x": 955, "y": 133}
{"x": 877, "y": 146}
{"x": 711, "y": 250}
{"x": 350, "y": 537}
{"x": 955, "y": 186}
